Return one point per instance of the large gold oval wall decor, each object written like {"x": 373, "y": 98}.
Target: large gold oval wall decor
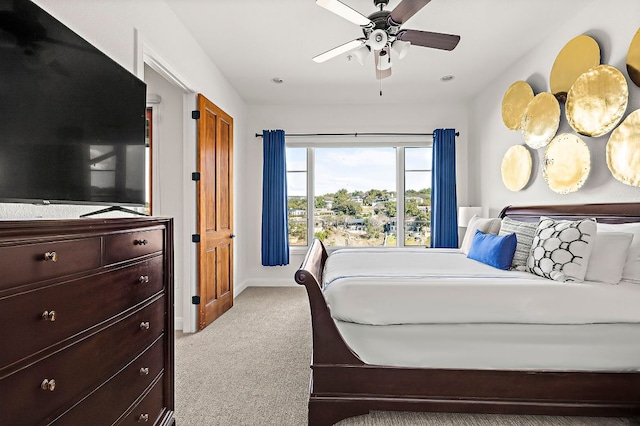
{"x": 514, "y": 103}
{"x": 633, "y": 59}
{"x": 540, "y": 120}
{"x": 623, "y": 150}
{"x": 576, "y": 57}
{"x": 566, "y": 163}
{"x": 597, "y": 101}
{"x": 516, "y": 167}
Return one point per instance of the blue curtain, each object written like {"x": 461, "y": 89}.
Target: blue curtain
{"x": 444, "y": 205}
{"x": 275, "y": 227}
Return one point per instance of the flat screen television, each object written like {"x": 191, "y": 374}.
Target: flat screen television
{"x": 72, "y": 120}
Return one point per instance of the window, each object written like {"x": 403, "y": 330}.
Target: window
{"x": 417, "y": 196}
{"x": 350, "y": 196}
{"x": 297, "y": 195}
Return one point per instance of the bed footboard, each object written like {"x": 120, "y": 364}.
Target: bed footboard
{"x": 328, "y": 346}
{"x": 342, "y": 385}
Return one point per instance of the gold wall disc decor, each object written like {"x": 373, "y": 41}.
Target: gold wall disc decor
{"x": 540, "y": 120}
{"x": 566, "y": 163}
{"x": 633, "y": 59}
{"x": 516, "y": 167}
{"x": 623, "y": 150}
{"x": 577, "y": 56}
{"x": 514, "y": 103}
{"x": 597, "y": 101}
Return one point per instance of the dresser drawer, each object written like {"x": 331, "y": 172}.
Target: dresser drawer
{"x": 57, "y": 312}
{"x": 77, "y": 370}
{"x": 148, "y": 410}
{"x": 130, "y": 245}
{"x": 28, "y": 263}
{"x": 108, "y": 403}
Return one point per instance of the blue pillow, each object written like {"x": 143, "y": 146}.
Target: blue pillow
{"x": 494, "y": 250}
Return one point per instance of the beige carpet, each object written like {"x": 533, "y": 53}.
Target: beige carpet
{"x": 251, "y": 367}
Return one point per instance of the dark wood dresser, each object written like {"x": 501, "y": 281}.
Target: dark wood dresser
{"x": 86, "y": 322}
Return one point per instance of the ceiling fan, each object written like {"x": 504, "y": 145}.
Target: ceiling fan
{"x": 383, "y": 33}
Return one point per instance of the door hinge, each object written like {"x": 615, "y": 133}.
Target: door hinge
{"x": 195, "y": 176}
{"x": 195, "y": 238}
{"x": 195, "y": 300}
{"x": 195, "y": 114}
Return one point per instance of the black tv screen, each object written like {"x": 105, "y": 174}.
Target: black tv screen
{"x": 72, "y": 120}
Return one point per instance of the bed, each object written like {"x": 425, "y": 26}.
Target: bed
{"x": 346, "y": 381}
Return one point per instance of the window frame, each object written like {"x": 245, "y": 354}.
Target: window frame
{"x": 397, "y": 142}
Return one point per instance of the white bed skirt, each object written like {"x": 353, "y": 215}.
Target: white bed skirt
{"x": 603, "y": 347}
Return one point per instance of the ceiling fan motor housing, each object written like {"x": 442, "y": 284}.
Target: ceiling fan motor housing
{"x": 380, "y": 3}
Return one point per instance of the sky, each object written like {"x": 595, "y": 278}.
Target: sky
{"x": 357, "y": 169}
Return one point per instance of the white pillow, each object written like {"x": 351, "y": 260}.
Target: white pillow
{"x": 486, "y": 225}
{"x": 561, "y": 249}
{"x": 525, "y": 231}
{"x": 631, "y": 271}
{"x": 608, "y": 257}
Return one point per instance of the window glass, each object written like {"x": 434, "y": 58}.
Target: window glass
{"x": 355, "y": 196}
{"x": 297, "y": 195}
{"x": 417, "y": 197}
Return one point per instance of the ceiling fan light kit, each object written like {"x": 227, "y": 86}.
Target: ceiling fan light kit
{"x": 384, "y": 62}
{"x": 361, "y": 53}
{"x": 378, "y": 40}
{"x": 401, "y": 48}
{"x": 383, "y": 33}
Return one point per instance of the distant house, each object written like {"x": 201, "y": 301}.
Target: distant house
{"x": 297, "y": 212}
{"x": 418, "y": 200}
{"x": 354, "y": 224}
{"x": 392, "y": 226}
{"x": 325, "y": 212}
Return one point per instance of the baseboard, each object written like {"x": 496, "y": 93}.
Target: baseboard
{"x": 269, "y": 282}
{"x": 239, "y": 288}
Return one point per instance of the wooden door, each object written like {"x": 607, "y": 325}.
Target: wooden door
{"x": 215, "y": 212}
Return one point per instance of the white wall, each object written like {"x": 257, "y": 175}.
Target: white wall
{"x": 125, "y": 30}
{"x": 167, "y": 185}
{"x": 333, "y": 119}
{"x": 612, "y": 24}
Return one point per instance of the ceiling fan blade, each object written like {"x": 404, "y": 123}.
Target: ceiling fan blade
{"x": 337, "y": 51}
{"x": 405, "y": 10}
{"x": 345, "y": 11}
{"x": 380, "y": 74}
{"x": 429, "y": 39}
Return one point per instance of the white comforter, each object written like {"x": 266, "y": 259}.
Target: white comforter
{"x": 430, "y": 286}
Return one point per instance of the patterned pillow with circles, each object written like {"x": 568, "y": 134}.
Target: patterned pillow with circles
{"x": 561, "y": 249}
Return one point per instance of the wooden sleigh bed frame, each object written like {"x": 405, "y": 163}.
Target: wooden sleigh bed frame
{"x": 342, "y": 385}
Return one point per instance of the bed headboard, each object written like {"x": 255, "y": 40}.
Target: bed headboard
{"x": 604, "y": 213}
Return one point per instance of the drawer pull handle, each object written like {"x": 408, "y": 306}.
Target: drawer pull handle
{"x": 143, "y": 418}
{"x": 49, "y": 385}
{"x": 140, "y": 242}
{"x": 143, "y": 279}
{"x": 144, "y": 371}
{"x": 144, "y": 325}
{"x": 51, "y": 256}
{"x": 49, "y": 315}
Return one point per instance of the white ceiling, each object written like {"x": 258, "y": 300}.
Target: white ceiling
{"x": 253, "y": 41}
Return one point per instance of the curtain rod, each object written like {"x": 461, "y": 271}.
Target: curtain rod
{"x": 259, "y": 135}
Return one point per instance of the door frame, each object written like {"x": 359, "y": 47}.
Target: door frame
{"x": 187, "y": 283}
